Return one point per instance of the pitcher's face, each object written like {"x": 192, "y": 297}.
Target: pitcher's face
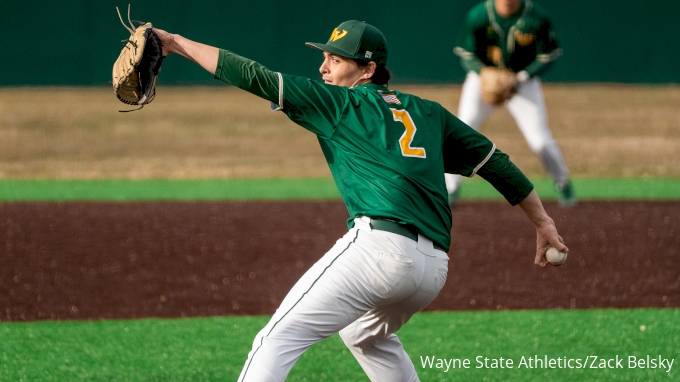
{"x": 341, "y": 71}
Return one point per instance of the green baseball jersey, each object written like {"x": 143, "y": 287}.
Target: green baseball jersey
{"x": 524, "y": 41}
{"x": 387, "y": 150}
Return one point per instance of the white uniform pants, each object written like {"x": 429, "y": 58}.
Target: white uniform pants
{"x": 366, "y": 287}
{"x": 527, "y": 107}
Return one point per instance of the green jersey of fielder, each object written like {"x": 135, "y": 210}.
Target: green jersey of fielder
{"x": 388, "y": 152}
{"x": 521, "y": 41}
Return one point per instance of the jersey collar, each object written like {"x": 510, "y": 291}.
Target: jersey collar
{"x": 372, "y": 86}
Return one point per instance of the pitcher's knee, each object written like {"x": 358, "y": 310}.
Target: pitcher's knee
{"x": 349, "y": 335}
{"x": 356, "y": 338}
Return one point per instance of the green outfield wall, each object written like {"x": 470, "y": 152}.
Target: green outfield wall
{"x": 75, "y": 42}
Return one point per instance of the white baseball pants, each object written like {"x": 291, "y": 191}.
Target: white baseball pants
{"x": 528, "y": 109}
{"x": 366, "y": 287}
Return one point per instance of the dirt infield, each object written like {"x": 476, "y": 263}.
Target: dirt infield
{"x": 184, "y": 259}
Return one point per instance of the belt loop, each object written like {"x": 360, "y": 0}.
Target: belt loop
{"x": 426, "y": 246}
{"x": 363, "y": 222}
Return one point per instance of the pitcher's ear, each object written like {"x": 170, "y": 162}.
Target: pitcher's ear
{"x": 369, "y": 70}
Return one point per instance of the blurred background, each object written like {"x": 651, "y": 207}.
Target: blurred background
{"x": 75, "y": 42}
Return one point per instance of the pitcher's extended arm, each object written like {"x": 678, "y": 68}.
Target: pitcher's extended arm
{"x": 204, "y": 55}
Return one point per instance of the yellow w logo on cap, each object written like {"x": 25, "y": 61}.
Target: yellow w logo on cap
{"x": 337, "y": 35}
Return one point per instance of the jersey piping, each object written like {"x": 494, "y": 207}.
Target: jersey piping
{"x": 549, "y": 57}
{"x": 462, "y": 53}
{"x": 493, "y": 149}
{"x": 279, "y": 106}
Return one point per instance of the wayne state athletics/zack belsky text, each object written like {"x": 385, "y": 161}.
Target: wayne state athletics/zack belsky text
{"x": 546, "y": 362}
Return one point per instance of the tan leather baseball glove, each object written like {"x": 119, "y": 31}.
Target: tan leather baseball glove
{"x": 136, "y": 69}
{"x": 498, "y": 84}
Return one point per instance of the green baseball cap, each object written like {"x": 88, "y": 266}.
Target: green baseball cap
{"x": 357, "y": 40}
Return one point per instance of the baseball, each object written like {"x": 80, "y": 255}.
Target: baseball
{"x": 555, "y": 257}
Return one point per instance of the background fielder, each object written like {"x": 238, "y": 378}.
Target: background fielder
{"x": 512, "y": 34}
{"x": 387, "y": 152}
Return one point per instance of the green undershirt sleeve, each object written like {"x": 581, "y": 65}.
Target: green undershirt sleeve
{"x": 247, "y": 75}
{"x": 506, "y": 178}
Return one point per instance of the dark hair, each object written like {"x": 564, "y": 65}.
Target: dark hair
{"x": 381, "y": 76}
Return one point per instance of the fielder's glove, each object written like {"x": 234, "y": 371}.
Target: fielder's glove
{"x": 136, "y": 69}
{"x": 498, "y": 84}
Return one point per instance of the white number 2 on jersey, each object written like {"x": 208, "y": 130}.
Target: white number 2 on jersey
{"x": 407, "y": 138}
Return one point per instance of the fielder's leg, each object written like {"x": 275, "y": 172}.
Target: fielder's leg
{"x": 528, "y": 109}
{"x": 472, "y": 110}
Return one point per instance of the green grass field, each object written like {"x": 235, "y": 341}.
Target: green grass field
{"x": 306, "y": 188}
{"x": 214, "y": 349}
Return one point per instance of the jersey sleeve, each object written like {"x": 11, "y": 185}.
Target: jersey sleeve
{"x": 467, "y": 43}
{"x": 547, "y": 49}
{"x": 313, "y": 105}
{"x": 467, "y": 152}
{"x": 464, "y": 150}
{"x": 247, "y": 75}
{"x": 505, "y": 177}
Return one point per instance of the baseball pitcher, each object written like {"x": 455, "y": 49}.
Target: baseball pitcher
{"x": 504, "y": 45}
{"x": 388, "y": 152}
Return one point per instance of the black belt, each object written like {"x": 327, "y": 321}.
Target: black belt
{"x": 399, "y": 229}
